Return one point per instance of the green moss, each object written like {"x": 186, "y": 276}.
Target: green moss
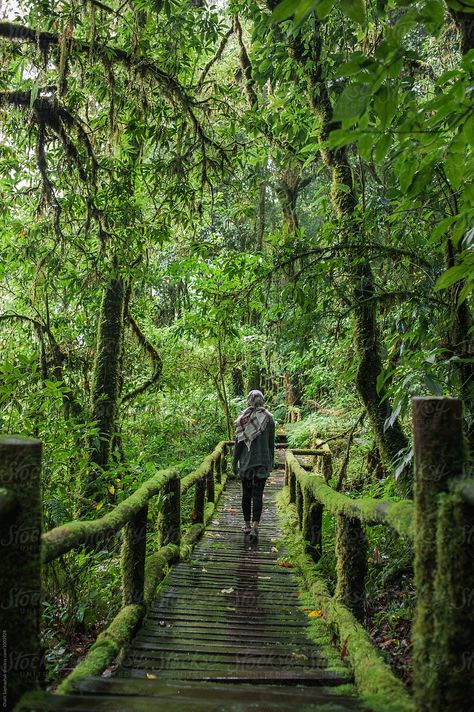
{"x": 106, "y": 383}
{"x": 133, "y": 557}
{"x": 156, "y": 568}
{"x": 439, "y": 452}
{"x": 379, "y": 689}
{"x": 68, "y": 536}
{"x": 351, "y": 551}
{"x": 399, "y": 515}
{"x": 448, "y": 679}
{"x": 218, "y": 454}
{"x": 106, "y": 647}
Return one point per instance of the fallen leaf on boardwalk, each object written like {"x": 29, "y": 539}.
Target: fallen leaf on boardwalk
{"x": 315, "y": 614}
{"x": 232, "y": 510}
{"x": 162, "y": 623}
{"x": 274, "y": 550}
{"x": 215, "y": 521}
{"x": 227, "y": 590}
{"x": 300, "y": 656}
{"x": 264, "y": 577}
{"x": 285, "y": 564}
{"x": 150, "y": 676}
{"x": 204, "y": 571}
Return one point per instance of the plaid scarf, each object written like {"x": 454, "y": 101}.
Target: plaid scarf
{"x": 253, "y": 420}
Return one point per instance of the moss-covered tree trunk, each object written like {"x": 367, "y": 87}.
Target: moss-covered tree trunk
{"x": 351, "y": 552}
{"x": 443, "y": 558}
{"x": 366, "y": 337}
{"x": 106, "y": 382}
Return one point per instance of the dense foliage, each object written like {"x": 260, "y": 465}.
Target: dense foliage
{"x": 200, "y": 198}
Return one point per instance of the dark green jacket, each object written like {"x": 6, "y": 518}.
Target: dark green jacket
{"x": 261, "y": 453}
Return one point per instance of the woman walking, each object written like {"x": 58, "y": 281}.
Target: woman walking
{"x": 254, "y": 451}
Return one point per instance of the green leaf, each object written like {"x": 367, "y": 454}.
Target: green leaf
{"x": 354, "y": 65}
{"x": 323, "y": 8}
{"x": 354, "y": 10}
{"x": 382, "y": 147}
{"x": 352, "y": 102}
{"x": 300, "y": 9}
{"x": 386, "y": 104}
{"x": 406, "y": 171}
{"x": 454, "y": 168}
{"x": 366, "y": 143}
{"x": 340, "y": 137}
{"x": 284, "y": 10}
{"x": 452, "y": 275}
{"x": 441, "y": 228}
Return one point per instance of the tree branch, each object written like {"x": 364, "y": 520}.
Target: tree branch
{"x": 155, "y": 358}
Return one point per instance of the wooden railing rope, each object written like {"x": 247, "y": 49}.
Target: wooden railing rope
{"x": 440, "y": 522}
{"x": 23, "y": 550}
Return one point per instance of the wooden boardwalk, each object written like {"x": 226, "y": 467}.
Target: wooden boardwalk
{"x": 227, "y": 632}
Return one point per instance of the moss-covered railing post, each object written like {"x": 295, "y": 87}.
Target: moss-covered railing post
{"x": 20, "y": 570}
{"x": 292, "y": 485}
{"x": 326, "y": 464}
{"x": 171, "y": 516}
{"x": 210, "y": 486}
{"x": 199, "y": 501}
{"x": 217, "y": 468}
{"x": 443, "y": 631}
{"x": 312, "y": 525}
{"x": 299, "y": 502}
{"x": 133, "y": 558}
{"x": 351, "y": 554}
{"x": 224, "y": 460}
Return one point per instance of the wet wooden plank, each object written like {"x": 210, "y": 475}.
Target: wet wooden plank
{"x": 227, "y": 634}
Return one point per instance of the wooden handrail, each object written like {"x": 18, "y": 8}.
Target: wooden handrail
{"x": 440, "y": 521}
{"x": 66, "y": 537}
{"x": 21, "y": 550}
{"x": 399, "y": 515}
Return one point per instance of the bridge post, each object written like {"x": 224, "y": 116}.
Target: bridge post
{"x": 133, "y": 558}
{"x": 171, "y": 516}
{"x": 210, "y": 487}
{"x": 20, "y": 571}
{"x": 199, "y": 501}
{"x": 351, "y": 567}
{"x": 292, "y": 484}
{"x": 217, "y": 468}
{"x": 312, "y": 528}
{"x": 299, "y": 503}
{"x": 443, "y": 631}
{"x": 326, "y": 465}
{"x": 224, "y": 460}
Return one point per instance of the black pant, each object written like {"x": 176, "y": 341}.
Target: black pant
{"x": 252, "y": 493}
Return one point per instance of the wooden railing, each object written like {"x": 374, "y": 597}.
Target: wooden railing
{"x": 24, "y": 550}
{"x": 439, "y": 522}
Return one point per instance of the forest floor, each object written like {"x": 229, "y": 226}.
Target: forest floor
{"x": 391, "y": 635}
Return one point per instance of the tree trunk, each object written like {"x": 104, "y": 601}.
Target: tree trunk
{"x": 366, "y": 340}
{"x": 106, "y": 381}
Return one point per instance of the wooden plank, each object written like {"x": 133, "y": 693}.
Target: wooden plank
{"x": 257, "y": 677}
{"x": 225, "y": 693}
